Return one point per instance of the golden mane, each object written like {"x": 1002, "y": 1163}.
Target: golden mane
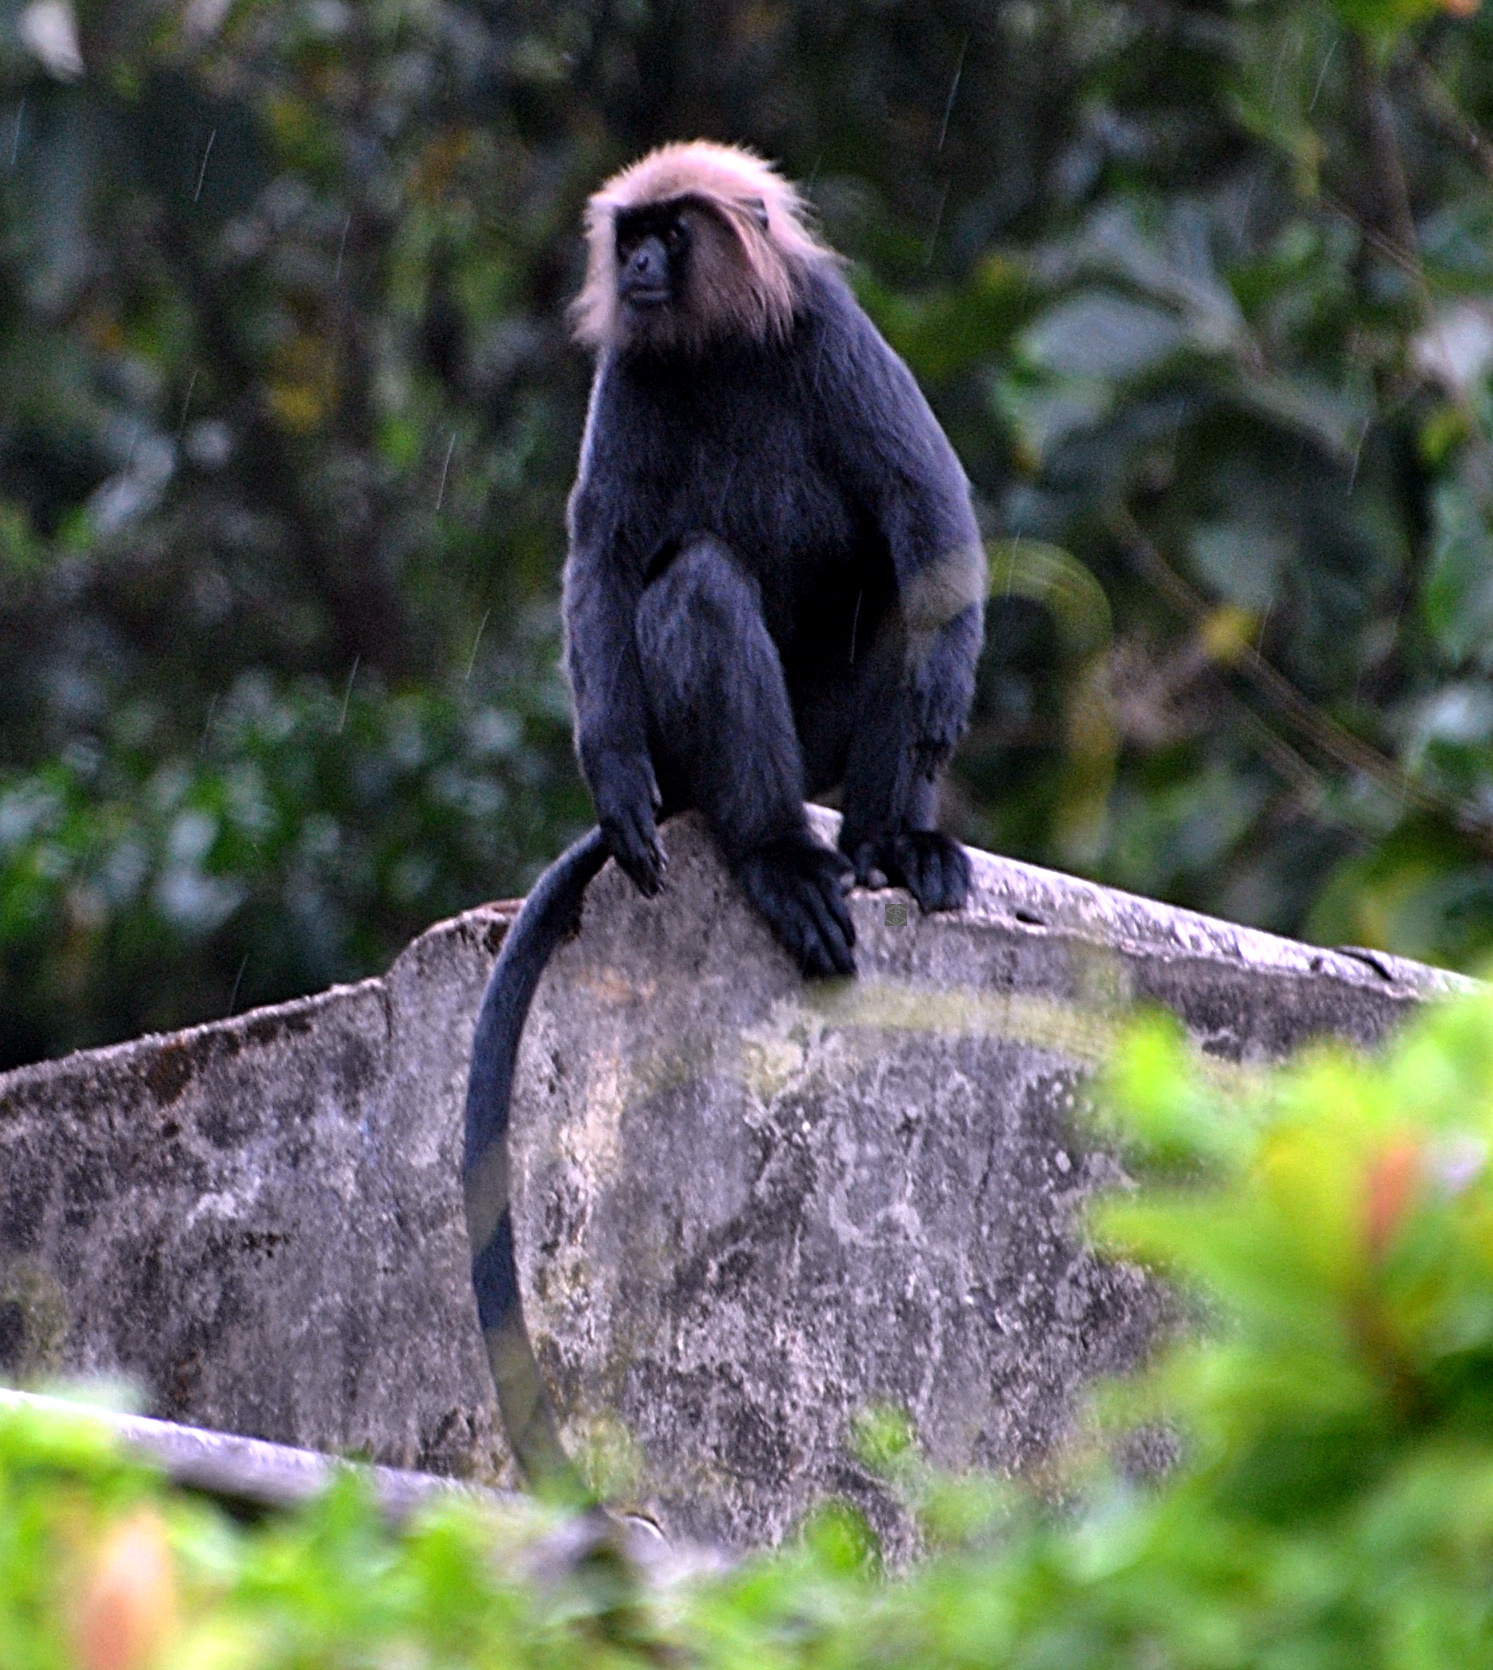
{"x": 742, "y": 189}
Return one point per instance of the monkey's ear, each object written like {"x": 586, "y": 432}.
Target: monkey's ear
{"x": 759, "y": 211}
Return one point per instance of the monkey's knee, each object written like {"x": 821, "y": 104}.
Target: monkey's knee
{"x": 697, "y": 616}
{"x": 694, "y": 574}
{"x": 720, "y": 723}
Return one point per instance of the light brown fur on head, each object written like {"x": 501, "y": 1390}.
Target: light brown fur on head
{"x": 745, "y": 279}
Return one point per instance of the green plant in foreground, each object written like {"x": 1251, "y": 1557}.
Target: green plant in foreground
{"x": 1332, "y": 1504}
{"x": 1334, "y": 1501}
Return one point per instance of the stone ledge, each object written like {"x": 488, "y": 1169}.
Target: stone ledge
{"x": 249, "y": 1470}
{"x": 746, "y": 1207}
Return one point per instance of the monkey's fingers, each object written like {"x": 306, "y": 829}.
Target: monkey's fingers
{"x": 933, "y": 868}
{"x": 866, "y": 866}
{"x": 833, "y": 933}
{"x": 632, "y": 839}
{"x": 798, "y": 887}
{"x": 819, "y": 938}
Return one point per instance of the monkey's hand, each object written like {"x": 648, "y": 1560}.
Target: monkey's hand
{"x": 934, "y": 869}
{"x": 798, "y": 888}
{"x": 626, "y": 796}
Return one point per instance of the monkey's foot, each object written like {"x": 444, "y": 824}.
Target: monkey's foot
{"x": 927, "y": 863}
{"x": 798, "y": 887}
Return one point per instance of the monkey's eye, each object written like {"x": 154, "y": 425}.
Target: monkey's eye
{"x": 673, "y": 235}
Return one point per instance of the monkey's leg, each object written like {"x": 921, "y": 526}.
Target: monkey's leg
{"x": 722, "y": 731}
{"x": 891, "y": 791}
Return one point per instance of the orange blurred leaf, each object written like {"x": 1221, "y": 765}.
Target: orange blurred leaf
{"x": 1392, "y": 1180}
{"x": 127, "y": 1608}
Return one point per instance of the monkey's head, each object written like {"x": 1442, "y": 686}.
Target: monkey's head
{"x": 694, "y": 244}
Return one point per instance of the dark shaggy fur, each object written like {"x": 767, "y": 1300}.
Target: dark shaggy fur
{"x": 775, "y": 585}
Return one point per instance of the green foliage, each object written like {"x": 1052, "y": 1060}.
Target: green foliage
{"x": 1330, "y": 1502}
{"x": 310, "y": 826}
{"x": 1202, "y": 292}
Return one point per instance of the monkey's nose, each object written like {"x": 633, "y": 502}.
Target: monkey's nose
{"x": 645, "y": 278}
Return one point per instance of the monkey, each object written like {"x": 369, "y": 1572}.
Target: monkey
{"x": 775, "y": 586}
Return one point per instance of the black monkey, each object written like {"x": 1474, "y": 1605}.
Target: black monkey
{"x": 775, "y": 585}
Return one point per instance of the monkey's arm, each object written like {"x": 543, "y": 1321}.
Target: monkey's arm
{"x": 941, "y": 580}
{"x": 913, "y": 697}
{"x": 917, "y": 684}
{"x": 902, "y": 469}
{"x": 601, "y": 660}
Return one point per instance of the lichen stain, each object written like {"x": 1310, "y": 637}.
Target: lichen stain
{"x": 592, "y": 1141}
{"x": 287, "y": 1021}
{"x": 33, "y": 1321}
{"x": 224, "y": 1205}
{"x": 770, "y": 1065}
{"x": 1082, "y": 1035}
{"x": 496, "y": 930}
{"x": 168, "y": 1069}
{"x": 614, "y": 988}
{"x": 169, "y": 1073}
{"x": 688, "y": 1060}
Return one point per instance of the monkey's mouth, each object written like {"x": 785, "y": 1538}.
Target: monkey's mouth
{"x": 645, "y": 296}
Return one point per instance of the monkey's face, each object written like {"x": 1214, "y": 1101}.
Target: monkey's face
{"x": 653, "y": 255}
{"x": 692, "y": 247}
{"x": 684, "y": 276}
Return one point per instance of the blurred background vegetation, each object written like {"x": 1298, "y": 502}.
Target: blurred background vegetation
{"x": 1203, "y": 293}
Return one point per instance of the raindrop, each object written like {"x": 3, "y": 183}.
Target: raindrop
{"x": 347, "y": 695}
{"x": 207, "y": 151}
{"x": 441, "y": 495}
{"x": 948, "y": 109}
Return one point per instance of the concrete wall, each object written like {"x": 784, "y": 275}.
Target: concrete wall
{"x": 258, "y": 1220}
{"x": 746, "y": 1207}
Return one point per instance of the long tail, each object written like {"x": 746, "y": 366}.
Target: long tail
{"x": 548, "y": 914}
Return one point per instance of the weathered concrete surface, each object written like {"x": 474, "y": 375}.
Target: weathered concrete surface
{"x": 259, "y": 1220}
{"x": 746, "y": 1207}
{"x": 749, "y": 1207}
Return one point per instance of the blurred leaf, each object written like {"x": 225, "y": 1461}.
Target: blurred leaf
{"x": 1099, "y": 334}
{"x": 1243, "y": 561}
{"x": 1051, "y": 576}
{"x": 1386, "y": 18}
{"x": 127, "y": 1606}
{"x": 1457, "y": 601}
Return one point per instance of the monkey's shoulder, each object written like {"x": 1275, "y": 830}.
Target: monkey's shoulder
{"x": 816, "y": 432}
{"x": 833, "y": 368}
